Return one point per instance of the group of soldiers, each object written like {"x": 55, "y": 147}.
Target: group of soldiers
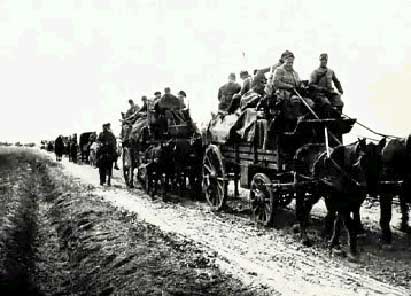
{"x": 282, "y": 86}
{"x": 135, "y": 118}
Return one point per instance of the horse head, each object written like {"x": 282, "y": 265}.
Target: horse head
{"x": 370, "y": 163}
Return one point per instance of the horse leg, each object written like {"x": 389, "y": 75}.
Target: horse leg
{"x": 329, "y": 219}
{"x": 352, "y": 236}
{"x": 236, "y": 184}
{"x": 336, "y": 231}
{"x": 385, "y": 217}
{"x": 300, "y": 212}
{"x": 357, "y": 221}
{"x": 404, "y": 208}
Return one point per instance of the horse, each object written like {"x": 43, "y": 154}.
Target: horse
{"x": 160, "y": 167}
{"x": 340, "y": 177}
{"x": 394, "y": 165}
{"x": 187, "y": 159}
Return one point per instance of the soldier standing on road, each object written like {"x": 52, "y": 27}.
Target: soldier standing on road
{"x": 226, "y": 92}
{"x": 321, "y": 82}
{"x": 59, "y": 147}
{"x": 106, "y": 154}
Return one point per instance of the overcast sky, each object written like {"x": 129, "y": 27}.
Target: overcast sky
{"x": 69, "y": 66}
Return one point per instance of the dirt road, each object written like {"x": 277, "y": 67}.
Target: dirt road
{"x": 58, "y": 238}
{"x": 101, "y": 241}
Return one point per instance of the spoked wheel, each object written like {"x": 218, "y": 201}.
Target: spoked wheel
{"x": 128, "y": 167}
{"x": 262, "y": 199}
{"x": 214, "y": 178}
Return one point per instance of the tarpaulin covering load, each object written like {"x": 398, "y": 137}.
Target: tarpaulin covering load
{"x": 135, "y": 130}
{"x": 220, "y": 127}
{"x": 245, "y": 126}
{"x": 251, "y": 98}
{"x": 223, "y": 127}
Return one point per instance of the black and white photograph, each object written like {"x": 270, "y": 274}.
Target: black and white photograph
{"x": 205, "y": 147}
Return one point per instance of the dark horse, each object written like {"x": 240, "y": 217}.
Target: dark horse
{"x": 187, "y": 158}
{"x": 159, "y": 168}
{"x": 340, "y": 178}
{"x": 393, "y": 167}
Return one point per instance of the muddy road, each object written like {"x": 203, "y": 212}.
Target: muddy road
{"x": 63, "y": 234}
{"x": 58, "y": 238}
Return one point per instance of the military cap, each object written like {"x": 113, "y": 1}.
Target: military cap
{"x": 167, "y": 89}
{"x": 130, "y": 101}
{"x": 232, "y": 76}
{"x": 243, "y": 73}
{"x": 157, "y": 93}
{"x": 182, "y": 93}
{"x": 143, "y": 98}
{"x": 289, "y": 54}
{"x": 323, "y": 56}
{"x": 285, "y": 54}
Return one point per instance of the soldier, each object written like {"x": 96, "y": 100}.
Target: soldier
{"x": 106, "y": 154}
{"x": 269, "y": 89}
{"x": 182, "y": 96}
{"x": 145, "y": 104}
{"x": 157, "y": 96}
{"x": 247, "y": 82}
{"x": 168, "y": 100}
{"x": 285, "y": 81}
{"x": 321, "y": 82}
{"x": 226, "y": 92}
{"x": 58, "y": 147}
{"x": 131, "y": 111}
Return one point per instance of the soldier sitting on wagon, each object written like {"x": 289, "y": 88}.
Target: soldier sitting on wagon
{"x": 141, "y": 120}
{"x": 131, "y": 112}
{"x": 167, "y": 110}
{"x": 286, "y": 81}
{"x": 226, "y": 93}
{"x": 324, "y": 96}
{"x": 127, "y": 121}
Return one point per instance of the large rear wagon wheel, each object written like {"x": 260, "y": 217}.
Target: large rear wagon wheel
{"x": 262, "y": 199}
{"x": 214, "y": 178}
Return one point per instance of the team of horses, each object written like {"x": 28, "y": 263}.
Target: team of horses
{"x": 346, "y": 174}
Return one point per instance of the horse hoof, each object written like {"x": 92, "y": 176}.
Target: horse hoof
{"x": 386, "y": 246}
{"x": 405, "y": 228}
{"x": 307, "y": 243}
{"x": 353, "y": 258}
{"x": 337, "y": 251}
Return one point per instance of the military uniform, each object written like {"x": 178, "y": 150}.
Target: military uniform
{"x": 269, "y": 88}
{"x": 322, "y": 80}
{"x": 106, "y": 155}
{"x": 225, "y": 95}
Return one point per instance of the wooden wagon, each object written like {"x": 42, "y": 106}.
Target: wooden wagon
{"x": 265, "y": 163}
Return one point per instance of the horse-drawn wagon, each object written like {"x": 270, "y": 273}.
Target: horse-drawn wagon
{"x": 163, "y": 145}
{"x": 253, "y": 150}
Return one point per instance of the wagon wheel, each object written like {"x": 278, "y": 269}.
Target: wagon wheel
{"x": 262, "y": 199}
{"x": 214, "y": 178}
{"x": 128, "y": 167}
